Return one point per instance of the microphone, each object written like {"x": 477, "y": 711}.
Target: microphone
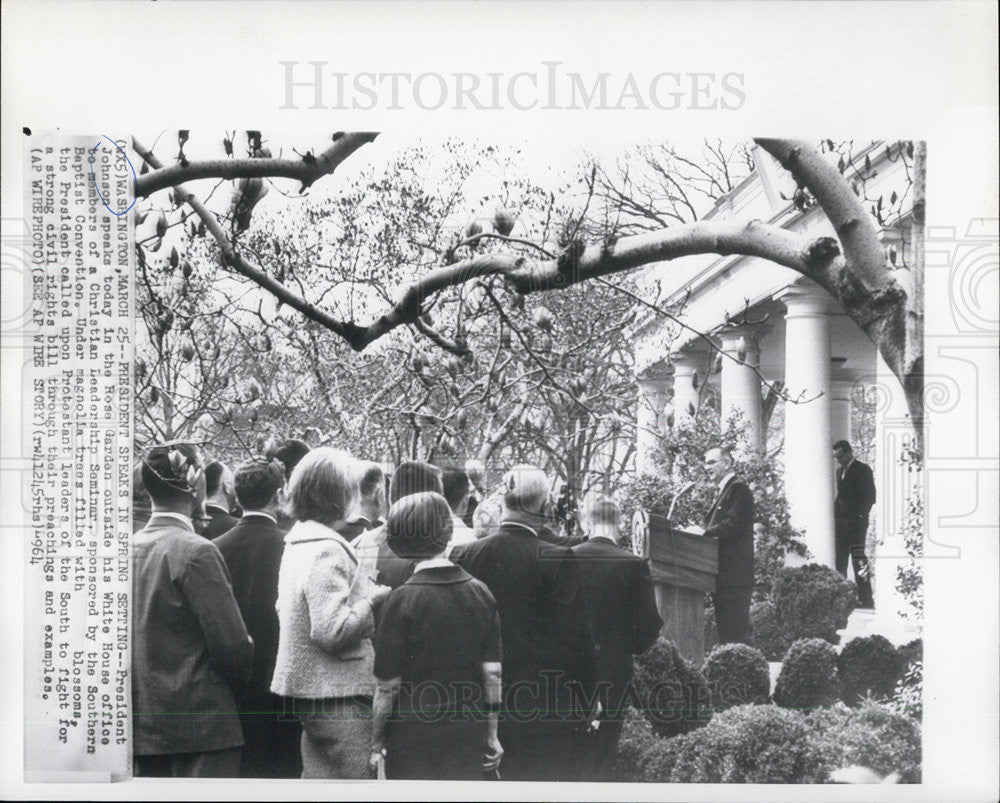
{"x": 678, "y": 495}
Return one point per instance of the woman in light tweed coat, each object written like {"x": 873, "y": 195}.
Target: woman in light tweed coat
{"x": 326, "y": 615}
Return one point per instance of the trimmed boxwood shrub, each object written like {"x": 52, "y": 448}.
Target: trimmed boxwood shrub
{"x": 813, "y": 601}
{"x": 808, "y": 676}
{"x": 642, "y": 755}
{"x": 868, "y": 666}
{"x": 737, "y": 674}
{"x": 765, "y": 631}
{"x": 670, "y": 691}
{"x": 749, "y": 744}
{"x": 871, "y": 736}
{"x": 910, "y": 653}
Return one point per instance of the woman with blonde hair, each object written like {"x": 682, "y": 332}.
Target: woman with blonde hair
{"x": 326, "y": 613}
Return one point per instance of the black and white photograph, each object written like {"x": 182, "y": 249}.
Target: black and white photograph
{"x": 641, "y": 445}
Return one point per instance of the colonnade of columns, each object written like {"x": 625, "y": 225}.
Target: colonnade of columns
{"x": 820, "y": 414}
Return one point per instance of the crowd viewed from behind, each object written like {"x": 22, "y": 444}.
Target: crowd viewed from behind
{"x": 308, "y": 616}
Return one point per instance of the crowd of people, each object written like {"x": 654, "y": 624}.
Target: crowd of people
{"x": 308, "y": 616}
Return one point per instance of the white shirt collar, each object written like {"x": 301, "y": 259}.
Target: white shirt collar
{"x": 185, "y": 520}
{"x": 849, "y": 464}
{"x": 431, "y": 563}
{"x": 725, "y": 480}
{"x": 259, "y": 513}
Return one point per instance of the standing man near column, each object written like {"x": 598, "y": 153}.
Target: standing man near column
{"x": 730, "y": 519}
{"x": 855, "y": 497}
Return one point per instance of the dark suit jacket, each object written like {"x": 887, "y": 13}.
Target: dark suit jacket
{"x": 855, "y": 497}
{"x": 190, "y": 649}
{"x": 537, "y": 589}
{"x": 730, "y": 519}
{"x": 621, "y": 608}
{"x": 252, "y": 551}
{"x": 219, "y": 521}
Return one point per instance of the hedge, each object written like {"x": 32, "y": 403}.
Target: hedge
{"x": 808, "y": 676}
{"x": 749, "y": 744}
{"x": 812, "y": 601}
{"x": 869, "y": 666}
{"x": 871, "y": 736}
{"x": 765, "y": 631}
{"x": 670, "y": 691}
{"x": 737, "y": 674}
{"x": 768, "y": 744}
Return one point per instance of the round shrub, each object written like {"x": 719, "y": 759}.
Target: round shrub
{"x": 642, "y": 755}
{"x": 813, "y": 601}
{"x": 749, "y": 744}
{"x": 910, "y": 653}
{"x": 808, "y": 676}
{"x": 868, "y": 667}
{"x": 736, "y": 675}
{"x": 765, "y": 631}
{"x": 871, "y": 736}
{"x": 670, "y": 691}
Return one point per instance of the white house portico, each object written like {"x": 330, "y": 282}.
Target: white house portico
{"x": 776, "y": 327}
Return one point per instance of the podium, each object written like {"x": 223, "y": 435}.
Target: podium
{"x": 683, "y": 566}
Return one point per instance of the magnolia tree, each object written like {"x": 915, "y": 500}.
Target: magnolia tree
{"x": 883, "y": 298}
{"x": 483, "y": 372}
{"x": 422, "y": 311}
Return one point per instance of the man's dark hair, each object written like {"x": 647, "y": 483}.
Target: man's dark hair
{"x": 842, "y": 446}
{"x": 289, "y": 452}
{"x": 413, "y": 477}
{"x": 213, "y": 477}
{"x": 166, "y": 483}
{"x": 372, "y": 481}
{"x": 456, "y": 486}
{"x": 257, "y": 482}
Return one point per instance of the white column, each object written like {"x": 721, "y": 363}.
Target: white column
{"x": 893, "y": 486}
{"x": 653, "y": 392}
{"x": 740, "y": 380}
{"x": 840, "y": 411}
{"x": 808, "y": 462}
{"x": 686, "y": 365}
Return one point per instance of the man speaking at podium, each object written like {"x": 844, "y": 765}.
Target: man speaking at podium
{"x": 730, "y": 519}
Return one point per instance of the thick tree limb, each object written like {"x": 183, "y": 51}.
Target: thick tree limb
{"x": 232, "y": 259}
{"x": 306, "y": 171}
{"x": 889, "y": 314}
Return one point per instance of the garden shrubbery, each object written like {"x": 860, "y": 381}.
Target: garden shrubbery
{"x": 808, "y": 676}
{"x": 670, "y": 691}
{"x": 869, "y": 666}
{"x": 749, "y": 744}
{"x": 872, "y": 736}
{"x": 769, "y": 744}
{"x": 812, "y": 601}
{"x": 737, "y": 674}
{"x": 765, "y": 631}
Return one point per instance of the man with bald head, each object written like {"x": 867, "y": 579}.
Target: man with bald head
{"x": 730, "y": 519}
{"x": 548, "y": 650}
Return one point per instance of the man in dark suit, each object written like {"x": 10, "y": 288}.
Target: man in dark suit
{"x": 855, "y": 497}
{"x": 252, "y": 551}
{"x": 191, "y": 655}
{"x": 730, "y": 519}
{"x": 621, "y": 609}
{"x": 548, "y": 651}
{"x": 219, "y": 499}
